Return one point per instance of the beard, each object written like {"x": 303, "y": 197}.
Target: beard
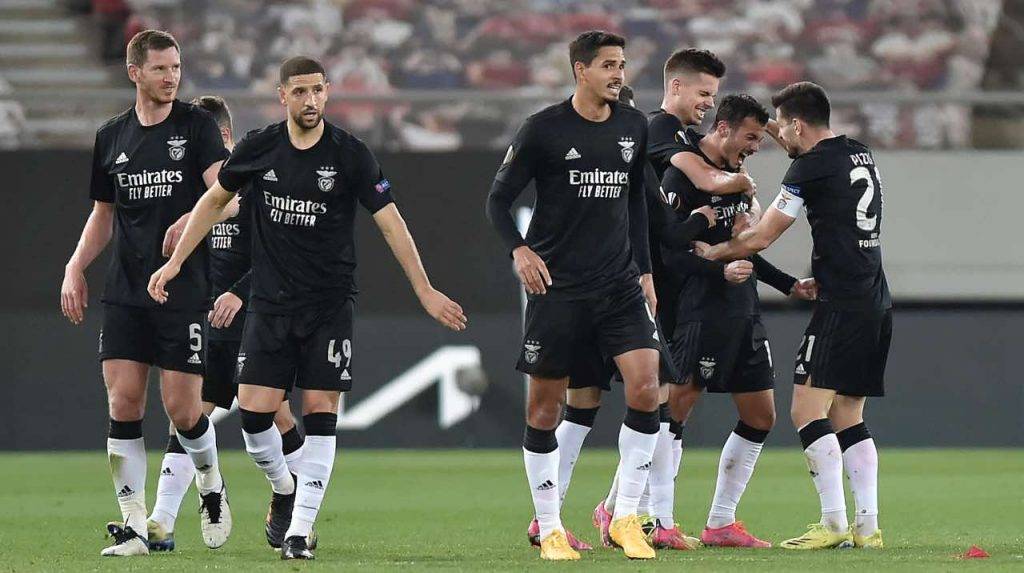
{"x": 302, "y": 121}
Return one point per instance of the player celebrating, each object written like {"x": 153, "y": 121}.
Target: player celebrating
{"x": 720, "y": 343}
{"x": 229, "y": 247}
{"x": 150, "y": 165}
{"x": 587, "y": 155}
{"x": 842, "y": 357}
{"x": 305, "y": 177}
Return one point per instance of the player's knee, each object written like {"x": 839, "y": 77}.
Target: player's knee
{"x": 126, "y": 405}
{"x": 544, "y": 418}
{"x": 764, "y": 421}
{"x": 182, "y": 411}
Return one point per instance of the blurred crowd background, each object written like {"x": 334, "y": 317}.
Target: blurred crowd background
{"x": 438, "y": 75}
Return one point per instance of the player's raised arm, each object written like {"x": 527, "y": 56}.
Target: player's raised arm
{"x": 74, "y": 291}
{"x": 711, "y": 180}
{"x": 435, "y": 302}
{"x": 208, "y": 211}
{"x": 756, "y": 238}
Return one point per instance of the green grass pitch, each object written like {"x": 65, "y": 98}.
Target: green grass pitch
{"x": 468, "y": 510}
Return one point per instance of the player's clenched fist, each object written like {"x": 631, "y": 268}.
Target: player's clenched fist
{"x": 738, "y": 271}
{"x": 158, "y": 282}
{"x": 532, "y": 271}
{"x": 444, "y": 310}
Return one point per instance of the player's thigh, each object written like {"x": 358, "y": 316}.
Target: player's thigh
{"x": 127, "y": 334}
{"x": 320, "y": 401}
{"x": 180, "y": 344}
{"x": 756, "y": 409}
{"x": 325, "y": 357}
{"x": 219, "y": 386}
{"x": 266, "y": 362}
{"x": 126, "y": 382}
{"x": 810, "y": 403}
{"x": 846, "y": 411}
{"x": 544, "y": 398}
{"x": 553, "y": 330}
{"x": 181, "y": 393}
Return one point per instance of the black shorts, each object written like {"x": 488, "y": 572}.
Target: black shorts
{"x": 557, "y": 330}
{"x": 724, "y": 355}
{"x": 845, "y": 351}
{"x": 221, "y": 365}
{"x": 311, "y": 349}
{"x": 168, "y": 339}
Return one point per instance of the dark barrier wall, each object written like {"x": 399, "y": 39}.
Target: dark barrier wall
{"x": 949, "y": 378}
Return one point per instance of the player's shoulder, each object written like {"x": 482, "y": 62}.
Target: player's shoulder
{"x": 630, "y": 113}
{"x": 263, "y": 136}
{"x": 342, "y": 138}
{"x": 113, "y": 124}
{"x": 547, "y": 117}
{"x": 190, "y": 112}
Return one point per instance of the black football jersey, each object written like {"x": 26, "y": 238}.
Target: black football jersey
{"x": 590, "y": 219}
{"x": 230, "y": 260}
{"x": 303, "y": 210}
{"x": 701, "y": 295}
{"x": 154, "y": 175}
{"x": 838, "y": 183}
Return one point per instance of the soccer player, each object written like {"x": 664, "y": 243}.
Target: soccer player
{"x": 842, "y": 358}
{"x": 229, "y": 247}
{"x": 586, "y": 267}
{"x": 150, "y": 165}
{"x": 303, "y": 178}
{"x": 720, "y": 344}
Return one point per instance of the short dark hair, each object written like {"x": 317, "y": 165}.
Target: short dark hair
{"x": 585, "y": 47}
{"x": 626, "y": 96}
{"x": 806, "y": 101}
{"x": 737, "y": 107}
{"x": 692, "y": 60}
{"x": 217, "y": 107}
{"x": 141, "y": 43}
{"x": 300, "y": 65}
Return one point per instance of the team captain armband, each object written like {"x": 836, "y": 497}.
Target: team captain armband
{"x": 789, "y": 201}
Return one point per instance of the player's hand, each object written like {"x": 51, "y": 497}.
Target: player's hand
{"x": 224, "y": 310}
{"x": 701, "y": 249}
{"x": 173, "y": 235}
{"x": 158, "y": 282}
{"x": 444, "y": 310}
{"x": 738, "y": 271}
{"x": 709, "y": 212}
{"x": 74, "y": 295}
{"x": 749, "y": 187}
{"x": 647, "y": 284}
{"x": 741, "y": 223}
{"x": 532, "y": 271}
{"x": 804, "y": 289}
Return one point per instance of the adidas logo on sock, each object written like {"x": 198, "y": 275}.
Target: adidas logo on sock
{"x": 167, "y": 472}
{"x": 263, "y": 463}
{"x": 270, "y": 176}
{"x": 125, "y": 491}
{"x": 546, "y": 486}
{"x": 204, "y": 468}
{"x": 644, "y": 467}
{"x": 195, "y": 359}
{"x": 573, "y": 154}
{"x": 316, "y": 484}
{"x": 121, "y": 159}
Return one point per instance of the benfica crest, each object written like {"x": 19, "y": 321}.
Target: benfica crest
{"x": 626, "y": 143}
{"x": 176, "y": 147}
{"x": 326, "y": 179}
{"x": 531, "y": 351}
{"x": 707, "y": 367}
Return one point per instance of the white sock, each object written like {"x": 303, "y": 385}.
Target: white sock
{"x": 542, "y": 475}
{"x": 861, "y": 462}
{"x": 613, "y": 492}
{"x": 294, "y": 460}
{"x": 203, "y": 451}
{"x": 128, "y": 468}
{"x": 570, "y": 436}
{"x": 176, "y": 473}
{"x": 677, "y": 455}
{"x": 662, "y": 481}
{"x": 265, "y": 449}
{"x": 636, "y": 451}
{"x": 735, "y": 467}
{"x": 643, "y": 507}
{"x": 315, "y": 473}
{"x": 825, "y": 462}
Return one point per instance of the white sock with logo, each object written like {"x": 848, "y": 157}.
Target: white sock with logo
{"x": 314, "y": 475}
{"x": 127, "y": 457}
{"x": 541, "y": 456}
{"x": 176, "y": 473}
{"x": 662, "y": 481}
{"x": 636, "y": 450}
{"x": 200, "y": 443}
{"x": 264, "y": 448}
{"x": 735, "y": 467}
{"x": 570, "y": 434}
